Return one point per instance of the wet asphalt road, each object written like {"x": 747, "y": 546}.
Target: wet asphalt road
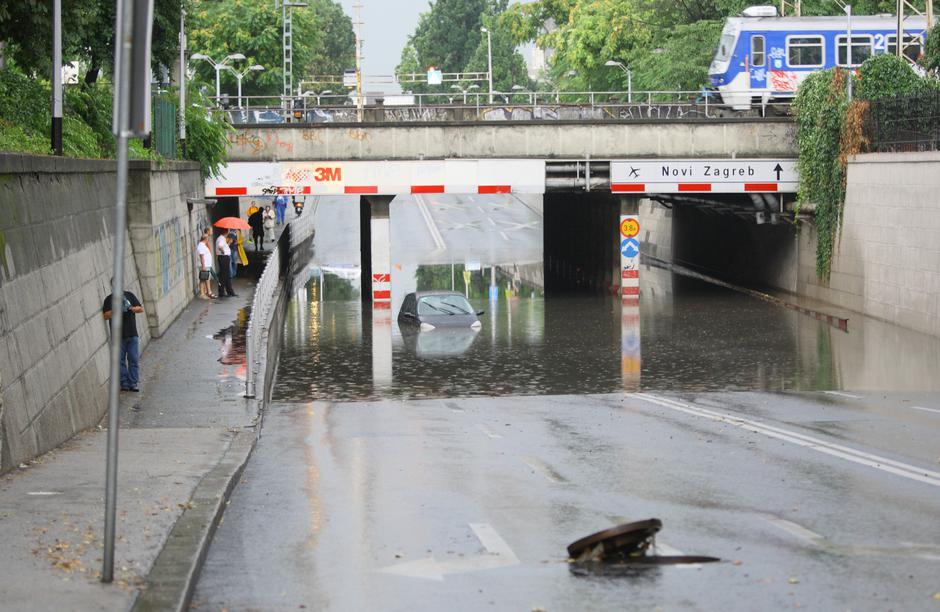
{"x": 816, "y": 501}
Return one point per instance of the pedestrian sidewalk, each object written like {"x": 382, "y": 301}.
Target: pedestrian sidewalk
{"x": 183, "y": 441}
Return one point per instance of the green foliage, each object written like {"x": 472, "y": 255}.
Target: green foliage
{"x": 323, "y": 42}
{"x": 681, "y": 63}
{"x": 206, "y": 134}
{"x": 15, "y": 139}
{"x": 887, "y": 75}
{"x": 820, "y": 107}
{"x": 931, "y": 60}
{"x": 449, "y": 38}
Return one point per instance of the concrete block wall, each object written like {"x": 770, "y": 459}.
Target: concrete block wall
{"x": 655, "y": 230}
{"x": 56, "y": 236}
{"x": 887, "y": 259}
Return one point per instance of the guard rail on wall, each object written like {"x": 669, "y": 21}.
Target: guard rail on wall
{"x": 262, "y": 307}
{"x": 301, "y": 228}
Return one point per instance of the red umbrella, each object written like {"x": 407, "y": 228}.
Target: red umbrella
{"x": 232, "y": 223}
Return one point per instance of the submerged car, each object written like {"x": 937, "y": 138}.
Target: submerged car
{"x": 429, "y": 310}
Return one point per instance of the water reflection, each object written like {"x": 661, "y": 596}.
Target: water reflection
{"x": 695, "y": 337}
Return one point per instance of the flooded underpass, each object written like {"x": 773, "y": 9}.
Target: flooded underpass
{"x": 403, "y": 470}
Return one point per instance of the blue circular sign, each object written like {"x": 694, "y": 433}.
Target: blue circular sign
{"x": 630, "y": 247}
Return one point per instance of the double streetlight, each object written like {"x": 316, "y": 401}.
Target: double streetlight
{"x": 465, "y": 91}
{"x": 489, "y": 59}
{"x": 241, "y": 75}
{"x": 629, "y": 77}
{"x": 219, "y": 66}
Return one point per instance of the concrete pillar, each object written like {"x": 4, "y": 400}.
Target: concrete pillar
{"x": 629, "y": 248}
{"x": 375, "y": 229}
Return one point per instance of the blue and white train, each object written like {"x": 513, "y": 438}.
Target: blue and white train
{"x": 762, "y": 57}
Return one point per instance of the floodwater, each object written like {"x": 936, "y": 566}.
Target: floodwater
{"x": 686, "y": 335}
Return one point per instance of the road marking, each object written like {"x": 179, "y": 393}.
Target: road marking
{"x": 490, "y": 219}
{"x": 480, "y": 208}
{"x": 429, "y": 221}
{"x": 488, "y": 431}
{"x": 841, "y": 394}
{"x": 662, "y": 548}
{"x": 44, "y": 493}
{"x": 505, "y": 237}
{"x": 926, "y": 409}
{"x": 884, "y": 464}
{"x": 542, "y": 468}
{"x": 798, "y": 531}
{"x": 498, "y": 554}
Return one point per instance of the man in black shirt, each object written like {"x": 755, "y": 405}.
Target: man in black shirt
{"x": 130, "y": 342}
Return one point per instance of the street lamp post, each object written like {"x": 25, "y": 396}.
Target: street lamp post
{"x": 241, "y": 75}
{"x": 219, "y": 66}
{"x": 629, "y": 78}
{"x": 489, "y": 59}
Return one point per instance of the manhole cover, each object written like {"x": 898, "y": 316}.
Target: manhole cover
{"x": 627, "y": 543}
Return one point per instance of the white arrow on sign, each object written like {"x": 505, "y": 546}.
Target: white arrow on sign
{"x": 498, "y": 554}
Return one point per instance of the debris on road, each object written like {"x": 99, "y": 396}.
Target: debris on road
{"x": 627, "y": 543}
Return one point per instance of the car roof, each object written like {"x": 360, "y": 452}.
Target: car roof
{"x": 421, "y": 294}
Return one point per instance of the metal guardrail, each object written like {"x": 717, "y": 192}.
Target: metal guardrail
{"x": 905, "y": 123}
{"x": 516, "y": 106}
{"x": 262, "y": 307}
{"x": 302, "y": 227}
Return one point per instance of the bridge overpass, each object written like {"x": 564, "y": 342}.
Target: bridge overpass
{"x": 535, "y": 139}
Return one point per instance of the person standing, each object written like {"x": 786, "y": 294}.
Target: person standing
{"x": 205, "y": 267}
{"x": 280, "y": 207}
{"x": 256, "y": 221}
{"x": 130, "y": 342}
{"x": 269, "y": 220}
{"x": 224, "y": 252}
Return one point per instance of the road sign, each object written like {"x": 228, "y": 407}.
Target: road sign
{"x": 629, "y": 227}
{"x": 704, "y": 175}
{"x": 629, "y": 247}
{"x": 473, "y": 265}
{"x": 466, "y": 277}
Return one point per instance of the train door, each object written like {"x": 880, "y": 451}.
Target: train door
{"x": 757, "y": 68}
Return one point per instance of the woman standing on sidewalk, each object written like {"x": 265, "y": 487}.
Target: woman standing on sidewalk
{"x": 205, "y": 266}
{"x": 269, "y": 215}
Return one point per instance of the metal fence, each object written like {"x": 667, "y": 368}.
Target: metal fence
{"x": 262, "y": 309}
{"x": 164, "y": 127}
{"x": 516, "y": 106}
{"x": 905, "y": 123}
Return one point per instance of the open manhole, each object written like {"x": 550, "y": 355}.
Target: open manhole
{"x": 627, "y": 544}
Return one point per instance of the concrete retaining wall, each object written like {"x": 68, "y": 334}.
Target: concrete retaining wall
{"x": 887, "y": 261}
{"x": 56, "y": 236}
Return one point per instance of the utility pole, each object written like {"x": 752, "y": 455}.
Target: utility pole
{"x": 57, "y": 77}
{"x": 359, "y": 101}
{"x": 906, "y": 9}
{"x": 793, "y": 5}
{"x": 287, "y": 38}
{"x": 182, "y": 109}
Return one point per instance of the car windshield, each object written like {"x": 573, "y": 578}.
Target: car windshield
{"x": 444, "y": 305}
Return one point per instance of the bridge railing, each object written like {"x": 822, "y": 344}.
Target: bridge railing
{"x": 262, "y": 308}
{"x": 515, "y": 106}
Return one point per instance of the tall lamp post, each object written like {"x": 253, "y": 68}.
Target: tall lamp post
{"x": 489, "y": 59}
{"x": 629, "y": 78}
{"x": 241, "y": 75}
{"x": 219, "y": 66}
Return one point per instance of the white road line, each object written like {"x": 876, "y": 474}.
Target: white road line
{"x": 877, "y": 462}
{"x": 798, "y": 531}
{"x": 44, "y": 493}
{"x": 490, "y": 219}
{"x": 505, "y": 237}
{"x": 665, "y": 549}
{"x": 498, "y": 555}
{"x": 926, "y": 409}
{"x": 483, "y": 212}
{"x": 429, "y": 221}
{"x": 486, "y": 430}
{"x": 537, "y": 465}
{"x": 491, "y": 541}
{"x": 841, "y": 394}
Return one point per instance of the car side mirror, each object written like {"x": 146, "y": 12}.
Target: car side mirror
{"x": 480, "y": 313}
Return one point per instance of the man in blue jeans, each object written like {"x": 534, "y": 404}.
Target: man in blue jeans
{"x": 280, "y": 205}
{"x": 130, "y": 342}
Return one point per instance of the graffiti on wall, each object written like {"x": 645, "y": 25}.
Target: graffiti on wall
{"x": 168, "y": 238}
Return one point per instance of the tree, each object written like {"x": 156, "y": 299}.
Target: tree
{"x": 449, "y": 38}
{"x": 323, "y": 40}
{"x": 932, "y": 50}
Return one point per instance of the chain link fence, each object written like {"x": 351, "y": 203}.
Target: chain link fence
{"x": 905, "y": 123}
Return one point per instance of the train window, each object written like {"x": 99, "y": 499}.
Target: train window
{"x": 757, "y": 51}
{"x": 805, "y": 50}
{"x": 861, "y": 49}
{"x": 913, "y": 45}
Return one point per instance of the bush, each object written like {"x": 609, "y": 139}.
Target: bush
{"x": 885, "y": 75}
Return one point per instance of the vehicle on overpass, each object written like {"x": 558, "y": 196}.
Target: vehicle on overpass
{"x": 763, "y": 57}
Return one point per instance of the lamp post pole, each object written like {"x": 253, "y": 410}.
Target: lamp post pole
{"x": 219, "y": 66}
{"x": 183, "y": 81}
{"x": 629, "y": 74}
{"x": 57, "y": 77}
{"x": 489, "y": 60}
{"x": 240, "y": 76}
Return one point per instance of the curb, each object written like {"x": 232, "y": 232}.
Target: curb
{"x": 173, "y": 577}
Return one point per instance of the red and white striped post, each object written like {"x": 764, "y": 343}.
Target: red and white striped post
{"x": 380, "y": 232}
{"x": 630, "y": 301}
